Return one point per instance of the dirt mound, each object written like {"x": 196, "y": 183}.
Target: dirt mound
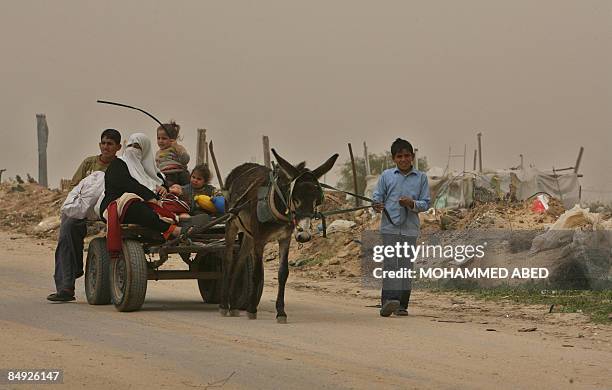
{"x": 24, "y": 206}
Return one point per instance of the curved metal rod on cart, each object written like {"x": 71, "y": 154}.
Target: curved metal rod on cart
{"x": 133, "y": 108}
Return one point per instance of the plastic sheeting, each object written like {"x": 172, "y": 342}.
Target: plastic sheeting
{"x": 460, "y": 190}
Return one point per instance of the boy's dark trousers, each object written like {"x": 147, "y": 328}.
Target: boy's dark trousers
{"x": 69, "y": 253}
{"x": 397, "y": 289}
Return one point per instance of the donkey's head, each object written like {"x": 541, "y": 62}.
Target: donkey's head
{"x": 304, "y": 193}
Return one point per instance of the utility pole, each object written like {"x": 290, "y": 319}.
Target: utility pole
{"x": 1, "y": 171}
{"x": 475, "y": 155}
{"x": 43, "y": 137}
{"x": 521, "y": 166}
{"x": 201, "y": 146}
{"x": 266, "y": 151}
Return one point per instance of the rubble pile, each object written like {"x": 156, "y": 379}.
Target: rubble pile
{"x": 23, "y": 206}
{"x": 501, "y": 215}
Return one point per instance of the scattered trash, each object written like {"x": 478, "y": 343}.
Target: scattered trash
{"x": 491, "y": 330}
{"x": 47, "y": 224}
{"x": 540, "y": 203}
{"x": 532, "y": 329}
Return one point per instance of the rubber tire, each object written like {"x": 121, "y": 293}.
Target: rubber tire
{"x": 131, "y": 295}
{"x": 210, "y": 289}
{"x": 97, "y": 273}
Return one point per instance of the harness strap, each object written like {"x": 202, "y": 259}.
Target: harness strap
{"x": 347, "y": 192}
{"x": 358, "y": 208}
{"x": 272, "y": 204}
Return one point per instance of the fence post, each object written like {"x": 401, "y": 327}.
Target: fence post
{"x": 357, "y": 200}
{"x": 201, "y": 146}
{"x": 578, "y": 159}
{"x": 479, "y": 135}
{"x": 367, "y": 159}
{"x": 43, "y": 138}
{"x": 266, "y": 151}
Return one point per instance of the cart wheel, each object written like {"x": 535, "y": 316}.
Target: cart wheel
{"x": 97, "y": 273}
{"x": 129, "y": 277}
{"x": 210, "y": 289}
{"x": 246, "y": 285}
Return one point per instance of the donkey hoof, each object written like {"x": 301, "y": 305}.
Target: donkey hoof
{"x": 223, "y": 312}
{"x": 252, "y": 316}
{"x": 234, "y": 313}
{"x": 281, "y": 319}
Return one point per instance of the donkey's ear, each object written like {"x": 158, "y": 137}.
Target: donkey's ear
{"x": 289, "y": 169}
{"x": 325, "y": 167}
{"x": 300, "y": 167}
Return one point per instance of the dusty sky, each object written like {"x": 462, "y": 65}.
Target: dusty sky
{"x": 535, "y": 77}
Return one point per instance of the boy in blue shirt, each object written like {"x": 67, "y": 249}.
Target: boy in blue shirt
{"x": 401, "y": 193}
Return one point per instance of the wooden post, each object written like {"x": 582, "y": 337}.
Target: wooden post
{"x": 201, "y": 145}
{"x": 214, "y": 160}
{"x": 416, "y": 159}
{"x": 357, "y": 200}
{"x": 521, "y": 166}
{"x": 479, "y": 135}
{"x": 43, "y": 137}
{"x": 1, "y": 171}
{"x": 207, "y": 154}
{"x": 578, "y": 159}
{"x": 475, "y": 155}
{"x": 266, "y": 151}
{"x": 366, "y": 159}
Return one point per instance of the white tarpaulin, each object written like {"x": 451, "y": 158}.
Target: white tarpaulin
{"x": 458, "y": 190}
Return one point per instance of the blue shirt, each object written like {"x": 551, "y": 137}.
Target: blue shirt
{"x": 391, "y": 186}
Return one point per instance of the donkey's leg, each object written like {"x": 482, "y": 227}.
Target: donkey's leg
{"x": 256, "y": 278}
{"x": 231, "y": 231}
{"x": 283, "y": 274}
{"x": 245, "y": 252}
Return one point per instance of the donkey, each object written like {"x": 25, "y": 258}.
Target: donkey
{"x": 290, "y": 196}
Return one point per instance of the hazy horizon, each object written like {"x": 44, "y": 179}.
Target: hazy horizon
{"x": 533, "y": 77}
